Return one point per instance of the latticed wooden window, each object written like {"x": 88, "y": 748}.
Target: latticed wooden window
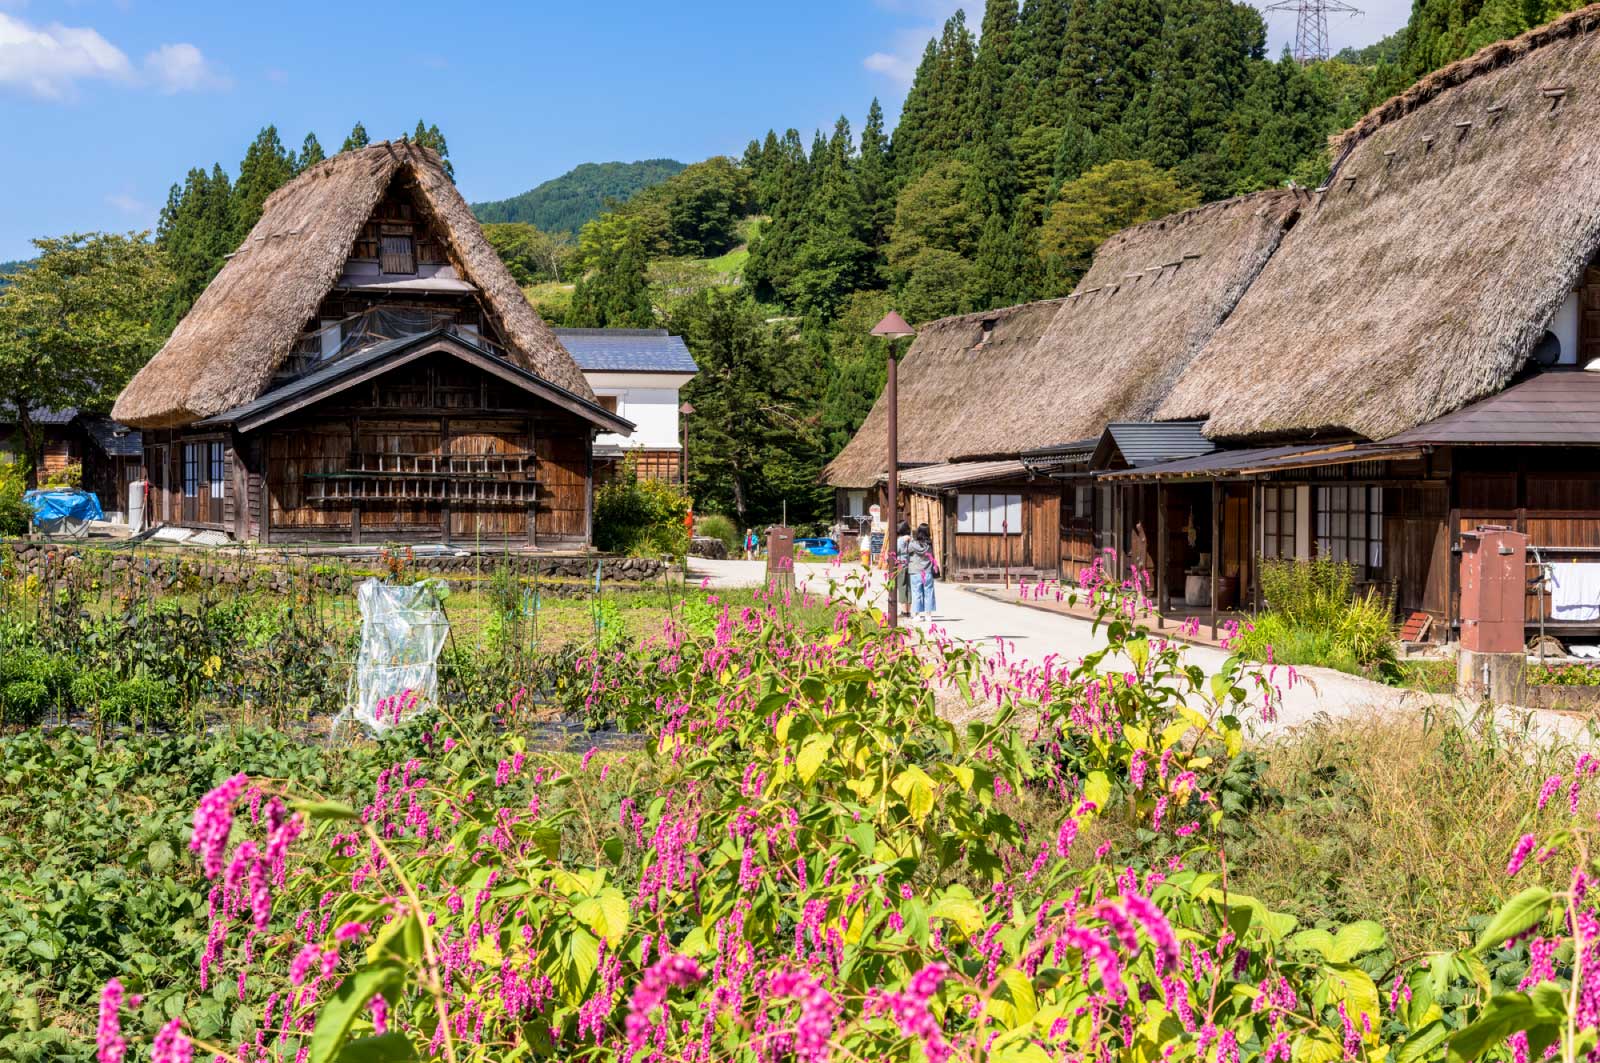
{"x": 219, "y": 474}
{"x": 399, "y": 254}
{"x": 1350, "y": 525}
{"x": 191, "y": 470}
{"x": 1277, "y": 521}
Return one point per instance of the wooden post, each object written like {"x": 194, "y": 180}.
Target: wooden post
{"x": 266, "y": 492}
{"x": 1216, "y": 549}
{"x": 444, "y": 451}
{"x": 533, "y": 488}
{"x": 1005, "y": 538}
{"x": 892, "y": 398}
{"x": 1258, "y": 509}
{"x": 1161, "y": 555}
{"x": 588, "y": 491}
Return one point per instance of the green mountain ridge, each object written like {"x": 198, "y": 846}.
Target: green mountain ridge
{"x": 563, "y": 204}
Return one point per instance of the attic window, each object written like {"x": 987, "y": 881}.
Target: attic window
{"x": 988, "y": 330}
{"x": 399, "y": 254}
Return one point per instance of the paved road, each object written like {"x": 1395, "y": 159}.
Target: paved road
{"x": 1035, "y": 634}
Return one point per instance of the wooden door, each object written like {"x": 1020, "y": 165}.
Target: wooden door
{"x": 160, "y": 502}
{"x": 1589, "y": 316}
{"x": 495, "y": 503}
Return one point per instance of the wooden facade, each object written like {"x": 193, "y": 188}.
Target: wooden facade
{"x": 401, "y": 411}
{"x": 435, "y": 450}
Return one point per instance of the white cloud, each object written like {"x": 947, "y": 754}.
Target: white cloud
{"x": 49, "y": 62}
{"x": 897, "y": 68}
{"x": 898, "y": 61}
{"x": 128, "y": 204}
{"x": 181, "y": 68}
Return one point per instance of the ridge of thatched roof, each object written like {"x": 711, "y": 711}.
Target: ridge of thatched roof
{"x": 1455, "y": 225}
{"x": 946, "y": 380}
{"x": 225, "y": 350}
{"x": 1150, "y": 302}
{"x": 1062, "y": 369}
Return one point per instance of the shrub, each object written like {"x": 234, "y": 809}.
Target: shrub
{"x": 716, "y": 526}
{"x": 1316, "y": 617}
{"x": 141, "y": 699}
{"x": 68, "y": 476}
{"x": 14, "y": 514}
{"x": 24, "y": 701}
{"x": 642, "y": 518}
{"x": 1564, "y": 675}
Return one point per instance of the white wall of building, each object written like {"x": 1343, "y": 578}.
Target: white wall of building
{"x": 649, "y": 400}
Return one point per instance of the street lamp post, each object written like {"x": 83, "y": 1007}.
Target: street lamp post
{"x": 683, "y": 466}
{"x": 893, "y": 327}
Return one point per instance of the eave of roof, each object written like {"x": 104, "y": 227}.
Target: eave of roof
{"x": 960, "y": 473}
{"x": 1142, "y": 443}
{"x": 1553, "y": 408}
{"x": 363, "y": 365}
{"x": 1254, "y": 461}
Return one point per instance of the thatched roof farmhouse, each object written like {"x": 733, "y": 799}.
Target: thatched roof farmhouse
{"x": 365, "y": 365}
{"x": 998, "y": 383}
{"x": 227, "y": 348}
{"x": 1459, "y": 218}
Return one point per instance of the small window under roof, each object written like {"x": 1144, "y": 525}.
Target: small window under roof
{"x": 399, "y": 254}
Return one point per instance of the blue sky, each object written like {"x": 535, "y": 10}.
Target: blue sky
{"x": 104, "y": 103}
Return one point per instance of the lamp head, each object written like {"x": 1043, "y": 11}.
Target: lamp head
{"x": 893, "y": 327}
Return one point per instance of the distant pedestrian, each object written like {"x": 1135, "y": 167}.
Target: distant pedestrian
{"x": 688, "y": 524}
{"x": 902, "y": 575}
{"x": 922, "y": 569}
{"x": 750, "y": 544}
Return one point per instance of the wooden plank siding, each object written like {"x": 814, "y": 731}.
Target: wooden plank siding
{"x": 436, "y": 450}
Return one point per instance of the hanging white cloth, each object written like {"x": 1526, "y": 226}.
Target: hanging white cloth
{"x": 1575, "y": 590}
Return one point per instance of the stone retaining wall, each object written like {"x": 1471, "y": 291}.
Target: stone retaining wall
{"x": 281, "y": 573}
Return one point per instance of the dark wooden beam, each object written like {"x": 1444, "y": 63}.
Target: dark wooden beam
{"x": 1161, "y": 555}
{"x": 1216, "y": 549}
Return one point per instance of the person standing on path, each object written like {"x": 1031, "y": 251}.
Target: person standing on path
{"x": 902, "y": 576}
{"x": 921, "y": 569}
{"x": 750, "y": 544}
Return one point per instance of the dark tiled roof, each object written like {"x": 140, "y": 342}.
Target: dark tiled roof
{"x": 1255, "y": 460}
{"x": 624, "y": 350}
{"x": 8, "y": 415}
{"x": 1558, "y": 407}
{"x": 117, "y": 440}
{"x": 1147, "y": 443}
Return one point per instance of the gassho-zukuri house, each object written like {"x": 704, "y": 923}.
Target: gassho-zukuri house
{"x": 364, "y": 368}
{"x": 1363, "y": 372}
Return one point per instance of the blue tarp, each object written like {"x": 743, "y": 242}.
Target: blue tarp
{"x": 53, "y": 505}
{"x": 819, "y": 547}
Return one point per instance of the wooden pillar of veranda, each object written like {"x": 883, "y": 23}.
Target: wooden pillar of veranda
{"x": 1161, "y": 555}
{"x": 1216, "y": 549}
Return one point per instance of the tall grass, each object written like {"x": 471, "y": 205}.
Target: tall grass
{"x": 1316, "y": 617}
{"x": 716, "y": 526}
{"x": 1406, "y": 821}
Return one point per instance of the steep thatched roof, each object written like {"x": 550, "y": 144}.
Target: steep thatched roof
{"x": 1150, "y": 302}
{"x": 947, "y": 381}
{"x": 1061, "y": 370}
{"x": 226, "y": 349}
{"x": 1459, "y": 216}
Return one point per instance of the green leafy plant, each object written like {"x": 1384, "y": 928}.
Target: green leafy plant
{"x": 640, "y": 517}
{"x": 1316, "y": 617}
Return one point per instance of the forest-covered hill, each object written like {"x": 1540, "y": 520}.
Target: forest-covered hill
{"x": 563, "y": 204}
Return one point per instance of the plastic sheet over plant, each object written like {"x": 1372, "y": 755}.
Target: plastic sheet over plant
{"x": 403, "y": 630}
